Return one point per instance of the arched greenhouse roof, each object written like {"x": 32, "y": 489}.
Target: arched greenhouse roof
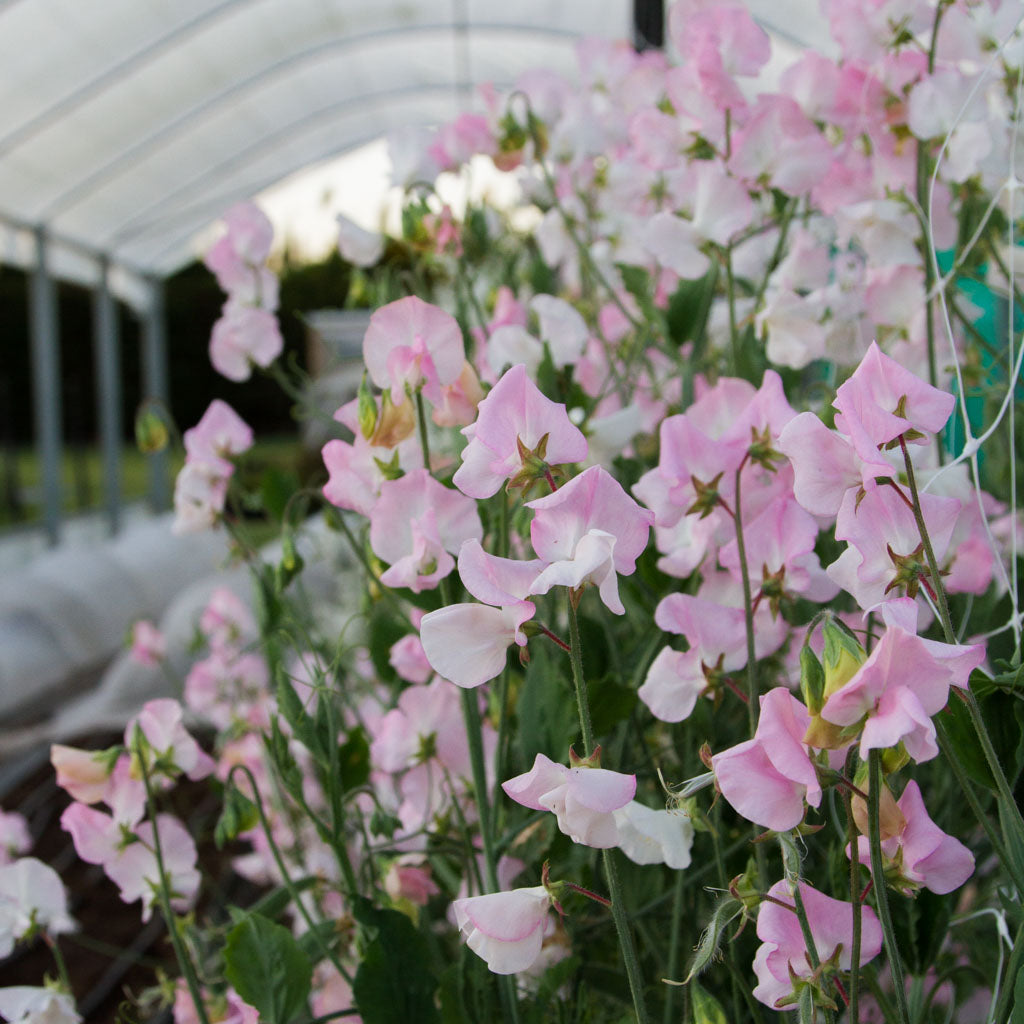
{"x": 130, "y": 125}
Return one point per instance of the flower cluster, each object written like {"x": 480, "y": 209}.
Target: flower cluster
{"x": 674, "y": 479}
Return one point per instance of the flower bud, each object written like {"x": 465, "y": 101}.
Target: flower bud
{"x": 395, "y": 424}
{"x": 891, "y": 822}
{"x": 843, "y": 656}
{"x": 152, "y": 433}
{"x": 366, "y": 410}
{"x": 812, "y": 680}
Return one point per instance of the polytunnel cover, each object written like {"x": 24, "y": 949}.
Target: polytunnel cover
{"x": 129, "y": 126}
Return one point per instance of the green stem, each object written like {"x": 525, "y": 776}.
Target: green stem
{"x": 474, "y": 737}
{"x": 679, "y": 891}
{"x": 780, "y": 245}
{"x": 1006, "y": 995}
{"x": 748, "y": 608}
{"x": 921, "y": 184}
{"x": 991, "y": 757}
{"x": 851, "y": 837}
{"x": 881, "y": 895}
{"x": 163, "y": 889}
{"x": 421, "y": 421}
{"x": 286, "y": 878}
{"x": 331, "y": 782}
{"x": 58, "y": 958}
{"x": 929, "y": 552}
{"x": 805, "y": 929}
{"x": 579, "y": 684}
{"x": 730, "y": 292}
{"x": 760, "y": 856}
{"x": 619, "y": 915}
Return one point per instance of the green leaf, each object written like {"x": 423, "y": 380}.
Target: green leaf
{"x": 453, "y": 1005}
{"x": 314, "y": 734}
{"x": 276, "y": 901}
{"x": 268, "y": 969}
{"x": 726, "y": 911}
{"x": 964, "y": 742}
{"x": 1017, "y": 1017}
{"x": 279, "y": 750}
{"x": 706, "y": 1008}
{"x": 313, "y": 941}
{"x": 610, "y": 703}
{"x": 1003, "y": 715}
{"x": 546, "y": 708}
{"x": 276, "y": 488}
{"x": 638, "y": 284}
{"x": 921, "y": 928}
{"x": 393, "y": 984}
{"x": 385, "y": 630}
{"x": 239, "y": 815}
{"x": 354, "y": 759}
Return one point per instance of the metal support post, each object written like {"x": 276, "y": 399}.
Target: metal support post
{"x": 107, "y": 356}
{"x": 46, "y": 385}
{"x": 155, "y": 386}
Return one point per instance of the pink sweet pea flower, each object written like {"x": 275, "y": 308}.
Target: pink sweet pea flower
{"x": 220, "y": 433}
{"x": 466, "y": 643}
{"x": 124, "y": 847}
{"x": 409, "y": 878}
{"x": 589, "y": 531}
{"x": 249, "y": 231}
{"x": 15, "y": 838}
{"x": 782, "y": 957}
{"x": 236, "y": 258}
{"x": 168, "y": 746}
{"x": 882, "y": 400}
{"x": 778, "y": 144}
{"x": 228, "y": 1008}
{"x": 360, "y": 247}
{"x": 459, "y": 400}
{"x": 514, "y": 416}
{"x": 825, "y": 465}
{"x": 675, "y": 244}
{"x": 417, "y": 525}
{"x": 882, "y": 532}
{"x": 83, "y": 774}
{"x": 767, "y": 779}
{"x": 430, "y": 711}
{"x": 148, "y": 644}
{"x": 200, "y": 491}
{"x": 922, "y": 854}
{"x": 716, "y": 633}
{"x": 647, "y": 836}
{"x": 561, "y": 327}
{"x": 410, "y": 342}
{"x": 243, "y": 337}
{"x": 505, "y": 929}
{"x": 226, "y": 620}
{"x": 31, "y": 895}
{"x": 134, "y": 868}
{"x": 28, "y": 1004}
{"x": 902, "y": 684}
{"x": 584, "y": 800}
{"x": 409, "y": 660}
{"x": 780, "y": 550}
{"x": 673, "y": 683}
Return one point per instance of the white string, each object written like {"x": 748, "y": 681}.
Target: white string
{"x": 973, "y": 444}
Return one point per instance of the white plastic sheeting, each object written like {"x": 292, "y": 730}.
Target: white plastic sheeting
{"x": 129, "y": 125}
